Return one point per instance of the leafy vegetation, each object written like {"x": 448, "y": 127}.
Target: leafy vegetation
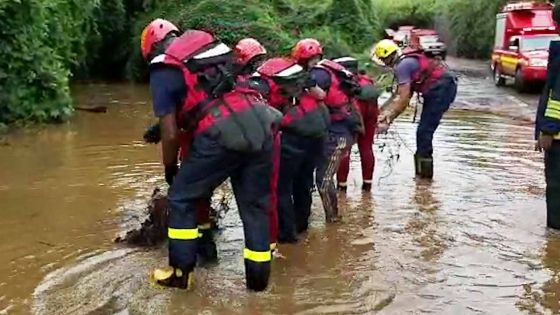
{"x": 47, "y": 42}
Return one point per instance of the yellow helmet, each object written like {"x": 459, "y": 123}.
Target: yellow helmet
{"x": 385, "y": 48}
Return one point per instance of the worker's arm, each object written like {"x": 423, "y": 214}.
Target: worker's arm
{"x": 168, "y": 92}
{"x": 169, "y": 145}
{"x": 399, "y": 103}
{"x": 404, "y": 72}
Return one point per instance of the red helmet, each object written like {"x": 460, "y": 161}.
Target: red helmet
{"x": 247, "y": 49}
{"x": 154, "y": 33}
{"x": 307, "y": 49}
{"x": 282, "y": 70}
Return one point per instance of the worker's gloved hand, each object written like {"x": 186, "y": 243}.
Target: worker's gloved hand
{"x": 170, "y": 172}
{"x": 153, "y": 134}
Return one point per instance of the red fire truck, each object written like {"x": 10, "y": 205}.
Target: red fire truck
{"x": 523, "y": 34}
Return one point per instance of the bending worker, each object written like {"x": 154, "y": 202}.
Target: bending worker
{"x": 168, "y": 92}
{"x": 416, "y": 72}
{"x": 304, "y": 126}
{"x": 367, "y": 104}
{"x": 338, "y": 87}
{"x": 548, "y": 130}
{"x": 232, "y": 138}
{"x": 248, "y": 55}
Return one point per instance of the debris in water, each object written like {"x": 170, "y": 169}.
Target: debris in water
{"x": 153, "y": 230}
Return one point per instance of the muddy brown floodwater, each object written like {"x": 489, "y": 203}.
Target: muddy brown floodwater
{"x": 472, "y": 242}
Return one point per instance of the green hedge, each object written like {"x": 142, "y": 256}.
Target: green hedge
{"x": 46, "y": 42}
{"x": 39, "y": 44}
{"x": 343, "y": 26}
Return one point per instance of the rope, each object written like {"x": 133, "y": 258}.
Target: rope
{"x": 391, "y": 145}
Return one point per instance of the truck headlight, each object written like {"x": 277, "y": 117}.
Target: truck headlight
{"x": 538, "y": 63}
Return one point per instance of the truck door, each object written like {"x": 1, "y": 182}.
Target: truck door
{"x": 510, "y": 57}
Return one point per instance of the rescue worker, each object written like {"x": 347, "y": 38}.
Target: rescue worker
{"x": 336, "y": 86}
{"x": 249, "y": 53}
{"x": 416, "y": 72}
{"x": 367, "y": 104}
{"x": 303, "y": 128}
{"x": 547, "y": 130}
{"x": 231, "y": 138}
{"x": 165, "y": 101}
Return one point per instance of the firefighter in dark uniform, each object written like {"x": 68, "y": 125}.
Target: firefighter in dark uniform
{"x": 548, "y": 130}
{"x": 231, "y": 138}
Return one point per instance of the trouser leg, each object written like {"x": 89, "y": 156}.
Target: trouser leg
{"x": 273, "y": 214}
{"x": 304, "y": 182}
{"x": 552, "y": 175}
{"x": 335, "y": 148}
{"x": 436, "y": 103}
{"x": 343, "y": 170}
{"x": 291, "y": 160}
{"x": 206, "y": 168}
{"x": 251, "y": 186}
{"x": 365, "y": 146}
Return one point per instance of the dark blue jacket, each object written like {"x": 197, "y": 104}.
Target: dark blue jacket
{"x": 548, "y": 113}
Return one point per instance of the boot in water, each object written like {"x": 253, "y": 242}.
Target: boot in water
{"x": 174, "y": 277}
{"x": 207, "y": 251}
{"x": 341, "y": 187}
{"x": 424, "y": 167}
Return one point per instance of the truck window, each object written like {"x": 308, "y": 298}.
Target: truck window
{"x": 427, "y": 39}
{"x": 500, "y": 31}
{"x": 538, "y": 42}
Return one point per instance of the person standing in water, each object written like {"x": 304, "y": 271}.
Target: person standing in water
{"x": 547, "y": 129}
{"x": 417, "y": 72}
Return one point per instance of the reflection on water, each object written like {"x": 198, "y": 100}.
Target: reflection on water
{"x": 473, "y": 241}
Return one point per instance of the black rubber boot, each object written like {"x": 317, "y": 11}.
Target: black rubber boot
{"x": 424, "y": 167}
{"x": 416, "y": 165}
{"x": 207, "y": 252}
{"x": 302, "y": 227}
{"x": 174, "y": 277}
{"x": 366, "y": 186}
{"x": 341, "y": 187}
{"x": 257, "y": 275}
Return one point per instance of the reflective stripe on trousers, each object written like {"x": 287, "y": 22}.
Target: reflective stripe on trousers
{"x": 208, "y": 165}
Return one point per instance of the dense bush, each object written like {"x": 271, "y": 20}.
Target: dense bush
{"x": 471, "y": 25}
{"x": 343, "y": 26}
{"x": 39, "y": 43}
{"x": 45, "y": 42}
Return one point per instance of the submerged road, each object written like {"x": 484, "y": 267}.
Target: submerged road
{"x": 472, "y": 242}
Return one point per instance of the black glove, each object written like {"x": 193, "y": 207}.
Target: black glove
{"x": 170, "y": 172}
{"x": 153, "y": 134}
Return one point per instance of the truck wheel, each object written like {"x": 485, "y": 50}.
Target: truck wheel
{"x": 520, "y": 85}
{"x": 499, "y": 80}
